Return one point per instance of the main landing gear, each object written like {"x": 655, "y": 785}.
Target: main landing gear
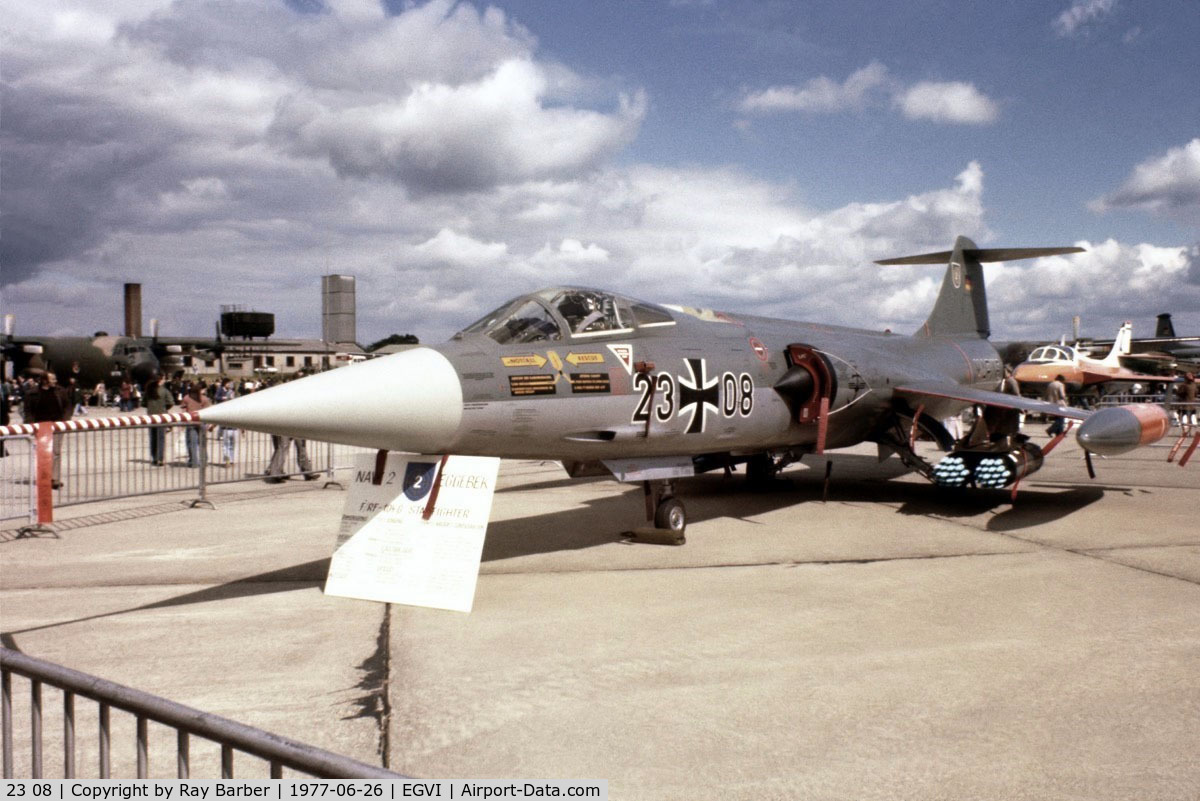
{"x": 763, "y": 469}
{"x": 665, "y": 511}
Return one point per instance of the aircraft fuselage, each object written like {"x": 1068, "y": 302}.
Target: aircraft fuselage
{"x": 90, "y": 360}
{"x": 699, "y": 386}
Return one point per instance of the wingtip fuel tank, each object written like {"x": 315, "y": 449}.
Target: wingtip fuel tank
{"x": 1119, "y": 429}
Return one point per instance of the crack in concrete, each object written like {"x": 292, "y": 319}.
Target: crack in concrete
{"x": 1090, "y": 553}
{"x": 1143, "y": 546}
{"x": 376, "y": 700}
{"x": 1093, "y": 553}
{"x": 777, "y": 563}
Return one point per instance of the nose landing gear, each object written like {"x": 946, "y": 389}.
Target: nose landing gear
{"x": 670, "y": 515}
{"x": 665, "y": 511}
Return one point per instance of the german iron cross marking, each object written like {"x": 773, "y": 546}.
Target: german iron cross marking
{"x": 700, "y": 393}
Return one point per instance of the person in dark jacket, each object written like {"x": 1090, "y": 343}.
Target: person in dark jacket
{"x": 157, "y": 400}
{"x": 50, "y": 403}
{"x": 7, "y": 393}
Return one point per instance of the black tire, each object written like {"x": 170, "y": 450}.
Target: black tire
{"x": 670, "y": 515}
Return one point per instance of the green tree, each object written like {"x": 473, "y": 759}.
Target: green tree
{"x": 394, "y": 339}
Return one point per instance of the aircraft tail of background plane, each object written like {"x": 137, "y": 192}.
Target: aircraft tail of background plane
{"x": 1120, "y": 346}
{"x": 1165, "y": 327}
{"x": 961, "y": 308}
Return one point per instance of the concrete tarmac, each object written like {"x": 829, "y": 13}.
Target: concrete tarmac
{"x": 892, "y": 641}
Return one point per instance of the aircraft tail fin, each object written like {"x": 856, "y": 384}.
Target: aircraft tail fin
{"x": 1165, "y": 327}
{"x": 1120, "y": 346}
{"x": 961, "y": 308}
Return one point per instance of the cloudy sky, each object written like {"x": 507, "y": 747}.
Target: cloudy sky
{"x": 750, "y": 156}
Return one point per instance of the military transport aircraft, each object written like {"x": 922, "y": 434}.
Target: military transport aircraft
{"x": 102, "y": 357}
{"x": 91, "y": 360}
{"x": 655, "y": 393}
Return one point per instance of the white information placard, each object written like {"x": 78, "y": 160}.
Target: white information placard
{"x": 386, "y": 549}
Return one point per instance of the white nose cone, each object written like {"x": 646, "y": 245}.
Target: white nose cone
{"x": 410, "y": 401}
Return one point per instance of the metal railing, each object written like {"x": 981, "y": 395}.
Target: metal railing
{"x": 277, "y": 752}
{"x": 17, "y": 464}
{"x": 1124, "y": 399}
{"x": 99, "y": 459}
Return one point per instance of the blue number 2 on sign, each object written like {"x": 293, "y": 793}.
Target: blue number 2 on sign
{"x": 418, "y": 479}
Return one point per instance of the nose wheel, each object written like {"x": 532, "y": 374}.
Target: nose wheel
{"x": 670, "y": 515}
{"x": 665, "y": 511}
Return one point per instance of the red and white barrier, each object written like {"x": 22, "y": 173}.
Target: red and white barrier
{"x": 44, "y": 446}
{"x": 97, "y": 423}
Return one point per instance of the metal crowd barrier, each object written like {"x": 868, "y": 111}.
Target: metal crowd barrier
{"x": 106, "y": 458}
{"x": 277, "y": 752}
{"x": 238, "y": 455}
{"x": 17, "y": 498}
{"x": 1126, "y": 398}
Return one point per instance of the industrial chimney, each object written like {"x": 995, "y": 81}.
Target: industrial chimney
{"x": 133, "y": 310}
{"x": 338, "y": 309}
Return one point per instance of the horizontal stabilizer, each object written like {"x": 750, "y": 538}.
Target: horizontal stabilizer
{"x": 982, "y": 255}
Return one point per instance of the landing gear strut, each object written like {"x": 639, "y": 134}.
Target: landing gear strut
{"x": 665, "y": 511}
{"x": 761, "y": 471}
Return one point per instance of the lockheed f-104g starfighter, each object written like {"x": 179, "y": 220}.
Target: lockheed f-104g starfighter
{"x": 655, "y": 393}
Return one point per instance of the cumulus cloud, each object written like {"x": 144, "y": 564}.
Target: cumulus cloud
{"x": 353, "y": 47}
{"x": 819, "y": 94}
{"x": 1080, "y": 13}
{"x": 953, "y": 102}
{"x": 114, "y": 112}
{"x": 227, "y": 152}
{"x": 724, "y": 240}
{"x": 449, "y": 247}
{"x": 1169, "y": 184}
{"x": 1107, "y": 284}
{"x": 442, "y": 138}
{"x": 571, "y": 252}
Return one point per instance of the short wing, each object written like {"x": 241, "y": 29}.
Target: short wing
{"x": 983, "y": 397}
{"x": 1103, "y": 378}
{"x": 1154, "y": 359}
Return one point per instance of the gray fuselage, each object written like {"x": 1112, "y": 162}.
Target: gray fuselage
{"x": 709, "y": 390}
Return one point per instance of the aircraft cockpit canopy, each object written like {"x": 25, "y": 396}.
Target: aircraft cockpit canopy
{"x": 1053, "y": 353}
{"x": 555, "y": 314}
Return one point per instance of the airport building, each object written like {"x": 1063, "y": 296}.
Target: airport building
{"x": 282, "y": 357}
{"x": 250, "y": 352}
